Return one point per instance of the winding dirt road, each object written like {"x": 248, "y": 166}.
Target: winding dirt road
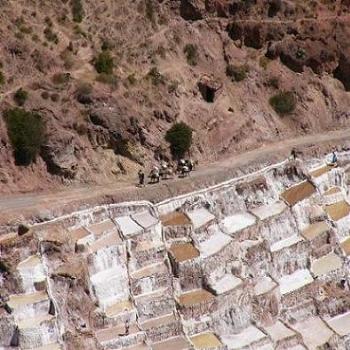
{"x": 41, "y": 206}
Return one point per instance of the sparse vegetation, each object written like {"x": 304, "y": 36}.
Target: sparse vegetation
{"x": 264, "y": 62}
{"x": 191, "y": 52}
{"x": 26, "y": 131}
{"x": 179, "y": 137}
{"x": 109, "y": 79}
{"x": 237, "y": 73}
{"x": 50, "y": 35}
{"x": 131, "y": 79}
{"x": 77, "y": 10}
{"x": 284, "y": 102}
{"x": 60, "y": 78}
{"x": 104, "y": 63}
{"x": 20, "y": 97}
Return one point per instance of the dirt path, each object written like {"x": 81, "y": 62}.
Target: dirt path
{"x": 44, "y": 205}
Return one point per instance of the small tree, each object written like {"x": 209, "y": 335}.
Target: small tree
{"x": 77, "y": 11}
{"x": 180, "y": 138}
{"x": 20, "y": 97}
{"x": 284, "y": 102}
{"x": 27, "y": 133}
{"x": 104, "y": 63}
{"x": 2, "y": 78}
{"x": 191, "y": 52}
{"x": 237, "y": 73}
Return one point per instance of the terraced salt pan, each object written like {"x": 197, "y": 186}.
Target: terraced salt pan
{"x": 118, "y": 308}
{"x": 279, "y": 331}
{"x": 200, "y": 217}
{"x": 214, "y": 244}
{"x": 113, "y": 333}
{"x": 295, "y": 281}
{"x": 31, "y": 271}
{"x": 340, "y": 324}
{"x": 315, "y": 230}
{"x": 128, "y": 227}
{"x": 338, "y": 210}
{"x": 175, "y": 343}
{"x": 345, "y": 244}
{"x": 205, "y": 341}
{"x": 106, "y": 241}
{"x": 247, "y": 337}
{"x": 183, "y": 252}
{"x": 226, "y": 283}
{"x": 175, "y": 219}
{"x": 195, "y": 297}
{"x": 326, "y": 264}
{"x": 111, "y": 285}
{"x": 21, "y": 300}
{"x": 298, "y": 193}
{"x": 34, "y": 322}
{"x": 145, "y": 219}
{"x": 270, "y": 210}
{"x": 314, "y": 332}
{"x": 149, "y": 270}
{"x": 284, "y": 243}
{"x": 158, "y": 321}
{"x": 103, "y": 227}
{"x": 319, "y": 171}
{"x": 53, "y": 346}
{"x": 234, "y": 223}
{"x": 264, "y": 285}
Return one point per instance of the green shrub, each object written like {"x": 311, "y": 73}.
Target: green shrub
{"x": 20, "y": 97}
{"x": 104, "y": 63}
{"x": 77, "y": 10}
{"x": 150, "y": 11}
{"x": 26, "y": 131}
{"x": 191, "y": 52}
{"x": 180, "y": 138}
{"x": 50, "y": 35}
{"x": 284, "y": 102}
{"x": 2, "y": 78}
{"x": 237, "y": 73}
{"x": 60, "y": 78}
{"x": 155, "y": 76}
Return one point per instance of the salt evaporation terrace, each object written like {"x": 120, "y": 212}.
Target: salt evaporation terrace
{"x": 259, "y": 263}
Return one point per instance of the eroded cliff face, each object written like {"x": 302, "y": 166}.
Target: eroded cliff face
{"x": 171, "y": 60}
{"x": 258, "y": 262}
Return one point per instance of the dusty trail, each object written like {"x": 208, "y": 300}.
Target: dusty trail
{"x": 17, "y": 207}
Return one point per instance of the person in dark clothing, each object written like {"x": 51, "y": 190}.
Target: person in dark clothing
{"x": 141, "y": 178}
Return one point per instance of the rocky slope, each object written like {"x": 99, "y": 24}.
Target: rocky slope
{"x": 170, "y": 64}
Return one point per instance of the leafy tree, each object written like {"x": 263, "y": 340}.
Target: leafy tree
{"x": 20, "y": 97}
{"x": 104, "y": 63}
{"x": 284, "y": 102}
{"x": 27, "y": 133}
{"x": 180, "y": 138}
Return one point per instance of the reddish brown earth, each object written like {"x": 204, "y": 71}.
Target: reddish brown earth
{"x": 301, "y": 46}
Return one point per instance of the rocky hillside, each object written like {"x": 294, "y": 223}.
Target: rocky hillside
{"x": 109, "y": 78}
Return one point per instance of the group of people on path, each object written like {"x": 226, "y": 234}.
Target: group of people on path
{"x": 167, "y": 171}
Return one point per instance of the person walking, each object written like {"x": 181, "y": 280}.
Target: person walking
{"x": 141, "y": 178}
